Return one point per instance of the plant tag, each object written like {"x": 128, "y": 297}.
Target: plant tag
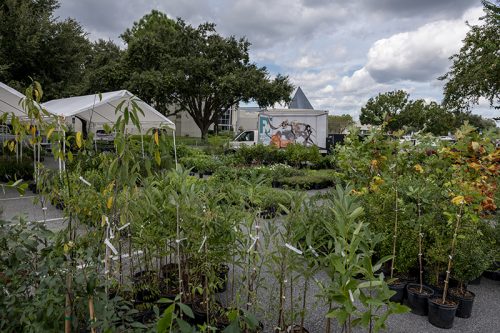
{"x": 44, "y": 208}
{"x": 111, "y": 247}
{"x": 294, "y": 249}
{"x": 84, "y": 181}
{"x": 123, "y": 227}
{"x": 313, "y": 251}
{"x": 202, "y": 243}
{"x": 255, "y": 239}
{"x": 180, "y": 240}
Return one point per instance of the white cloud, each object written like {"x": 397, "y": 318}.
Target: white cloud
{"x": 359, "y": 80}
{"x": 418, "y": 55}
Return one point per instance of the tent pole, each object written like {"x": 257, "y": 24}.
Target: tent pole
{"x": 64, "y": 151}
{"x": 175, "y": 150}
{"x": 142, "y": 143}
{"x": 59, "y": 157}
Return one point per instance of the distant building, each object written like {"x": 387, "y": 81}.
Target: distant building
{"x": 236, "y": 119}
{"x": 300, "y": 101}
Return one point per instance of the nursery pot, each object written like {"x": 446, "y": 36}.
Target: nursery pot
{"x": 442, "y": 315}
{"x": 418, "y": 301}
{"x": 492, "y": 275}
{"x": 465, "y": 302}
{"x": 476, "y": 281}
{"x": 222, "y": 272}
{"x": 399, "y": 288}
{"x": 292, "y": 329}
{"x": 143, "y": 286}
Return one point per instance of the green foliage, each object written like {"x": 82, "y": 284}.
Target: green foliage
{"x": 10, "y": 169}
{"x": 35, "y": 45}
{"x": 201, "y": 164}
{"x": 216, "y": 71}
{"x": 297, "y": 154}
{"x": 396, "y": 111}
{"x": 383, "y": 108}
{"x": 475, "y": 71}
{"x": 260, "y": 154}
{"x": 338, "y": 124}
{"x": 355, "y": 291}
{"x": 309, "y": 179}
{"x": 474, "y": 254}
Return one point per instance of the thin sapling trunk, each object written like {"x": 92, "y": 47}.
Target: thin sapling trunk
{"x": 420, "y": 236}
{"x": 452, "y": 253}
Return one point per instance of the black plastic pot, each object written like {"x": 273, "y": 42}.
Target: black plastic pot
{"x": 465, "y": 303}
{"x": 143, "y": 287}
{"x": 438, "y": 290}
{"x": 441, "y": 315}
{"x": 492, "y": 275}
{"x": 418, "y": 301}
{"x": 399, "y": 288}
{"x": 293, "y": 329}
{"x": 222, "y": 273}
{"x": 476, "y": 281}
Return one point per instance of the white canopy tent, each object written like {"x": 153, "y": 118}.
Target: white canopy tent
{"x": 101, "y": 109}
{"x": 98, "y": 110}
{"x": 10, "y": 101}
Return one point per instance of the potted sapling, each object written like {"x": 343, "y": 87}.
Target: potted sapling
{"x": 442, "y": 309}
{"x": 472, "y": 257}
{"x": 418, "y": 294}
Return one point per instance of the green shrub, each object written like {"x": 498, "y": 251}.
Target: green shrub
{"x": 297, "y": 154}
{"x": 260, "y": 154}
{"x": 202, "y": 164}
{"x": 10, "y": 169}
{"x": 311, "y": 179}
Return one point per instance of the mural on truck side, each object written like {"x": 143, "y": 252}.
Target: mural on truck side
{"x": 285, "y": 133}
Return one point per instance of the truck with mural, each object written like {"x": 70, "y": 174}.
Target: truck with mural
{"x": 281, "y": 128}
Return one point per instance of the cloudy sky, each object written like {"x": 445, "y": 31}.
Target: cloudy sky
{"x": 340, "y": 52}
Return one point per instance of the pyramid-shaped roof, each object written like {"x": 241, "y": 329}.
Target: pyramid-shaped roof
{"x": 300, "y": 101}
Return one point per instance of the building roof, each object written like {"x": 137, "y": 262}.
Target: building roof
{"x": 300, "y": 101}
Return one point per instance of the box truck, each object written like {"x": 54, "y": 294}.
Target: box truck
{"x": 280, "y": 128}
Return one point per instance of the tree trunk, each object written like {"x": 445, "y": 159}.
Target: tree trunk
{"x": 204, "y": 131}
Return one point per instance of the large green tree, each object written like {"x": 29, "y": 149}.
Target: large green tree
{"x": 104, "y": 68}
{"x": 400, "y": 112}
{"x": 475, "y": 72}
{"x": 34, "y": 44}
{"x": 384, "y": 108}
{"x": 338, "y": 124}
{"x": 177, "y": 67}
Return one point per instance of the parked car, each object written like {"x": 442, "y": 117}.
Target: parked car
{"x": 101, "y": 135}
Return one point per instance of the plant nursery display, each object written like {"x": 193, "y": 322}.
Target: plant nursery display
{"x": 166, "y": 238}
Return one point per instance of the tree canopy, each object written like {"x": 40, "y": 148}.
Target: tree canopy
{"x": 338, "y": 124}
{"x": 475, "y": 72}
{"x": 33, "y": 44}
{"x": 384, "y": 108}
{"x": 398, "y": 111}
{"x": 178, "y": 67}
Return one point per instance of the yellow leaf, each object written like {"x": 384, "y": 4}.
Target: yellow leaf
{"x": 12, "y": 145}
{"x": 157, "y": 157}
{"x": 475, "y": 145}
{"x": 418, "y": 168}
{"x": 157, "y": 139}
{"x": 109, "y": 202}
{"x": 103, "y": 221}
{"x": 79, "y": 139}
{"x": 33, "y": 130}
{"x": 68, "y": 246}
{"x": 458, "y": 200}
{"x": 49, "y": 132}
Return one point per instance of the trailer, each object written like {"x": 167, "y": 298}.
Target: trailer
{"x": 284, "y": 127}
